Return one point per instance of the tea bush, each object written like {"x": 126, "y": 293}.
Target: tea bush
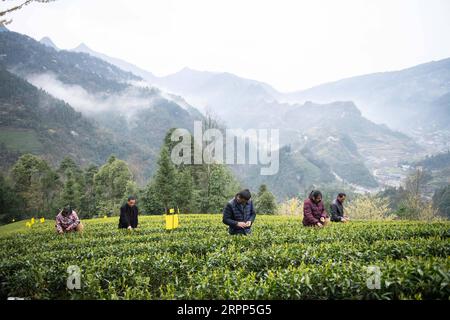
{"x": 280, "y": 260}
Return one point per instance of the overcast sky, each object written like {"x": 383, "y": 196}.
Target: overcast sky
{"x": 291, "y": 45}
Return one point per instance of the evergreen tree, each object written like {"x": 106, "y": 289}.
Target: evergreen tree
{"x": 184, "y": 190}
{"x": 69, "y": 165}
{"x": 73, "y": 184}
{"x": 189, "y": 187}
{"x": 9, "y": 202}
{"x": 222, "y": 186}
{"x": 71, "y": 192}
{"x": 152, "y": 203}
{"x": 265, "y": 202}
{"x": 165, "y": 180}
{"x": 112, "y": 182}
{"x": 88, "y": 207}
{"x": 36, "y": 183}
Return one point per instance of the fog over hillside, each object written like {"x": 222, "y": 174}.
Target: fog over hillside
{"x": 355, "y": 131}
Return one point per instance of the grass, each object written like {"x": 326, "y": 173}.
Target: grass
{"x": 19, "y": 227}
{"x": 20, "y": 140}
{"x": 281, "y": 259}
{"x": 15, "y": 227}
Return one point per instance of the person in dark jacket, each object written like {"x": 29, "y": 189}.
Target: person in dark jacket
{"x": 129, "y": 214}
{"x": 337, "y": 209}
{"x": 239, "y": 213}
{"x": 314, "y": 213}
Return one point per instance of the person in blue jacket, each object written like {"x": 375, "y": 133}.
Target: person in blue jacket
{"x": 239, "y": 213}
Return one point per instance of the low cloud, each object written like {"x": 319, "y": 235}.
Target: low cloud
{"x": 126, "y": 103}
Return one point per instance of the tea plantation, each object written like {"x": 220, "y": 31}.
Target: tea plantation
{"x": 280, "y": 260}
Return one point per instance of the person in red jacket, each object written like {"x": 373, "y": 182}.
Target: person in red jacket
{"x": 314, "y": 214}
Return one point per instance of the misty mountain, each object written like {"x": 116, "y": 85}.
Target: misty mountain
{"x": 438, "y": 115}
{"x": 122, "y": 64}
{"x": 379, "y": 147}
{"x": 399, "y": 98}
{"x": 25, "y": 56}
{"x": 333, "y": 144}
{"x": 216, "y": 91}
{"x": 49, "y": 43}
{"x": 33, "y": 121}
{"x": 257, "y": 105}
{"x": 414, "y": 93}
{"x": 136, "y": 117}
{"x": 322, "y": 143}
{"x": 213, "y": 91}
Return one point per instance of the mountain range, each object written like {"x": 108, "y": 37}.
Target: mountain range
{"x": 131, "y": 121}
{"x": 406, "y": 100}
{"x": 330, "y": 134}
{"x": 398, "y": 98}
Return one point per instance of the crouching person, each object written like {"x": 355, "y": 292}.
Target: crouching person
{"x": 239, "y": 213}
{"x": 67, "y": 221}
{"x": 129, "y": 214}
{"x": 337, "y": 209}
{"x": 314, "y": 214}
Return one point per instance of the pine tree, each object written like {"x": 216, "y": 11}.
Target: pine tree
{"x": 112, "y": 182}
{"x": 70, "y": 194}
{"x": 265, "y": 202}
{"x": 9, "y": 202}
{"x": 184, "y": 190}
{"x": 165, "y": 179}
{"x": 88, "y": 207}
{"x": 189, "y": 187}
{"x": 151, "y": 202}
{"x": 35, "y": 182}
{"x": 222, "y": 186}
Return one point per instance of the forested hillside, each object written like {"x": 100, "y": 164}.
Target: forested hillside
{"x": 33, "y": 121}
{"x": 113, "y": 115}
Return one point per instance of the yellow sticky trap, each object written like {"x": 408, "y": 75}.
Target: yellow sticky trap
{"x": 172, "y": 210}
{"x": 42, "y": 220}
{"x": 169, "y": 221}
{"x": 175, "y": 221}
{"x": 172, "y": 221}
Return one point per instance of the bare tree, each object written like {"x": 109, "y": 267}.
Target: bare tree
{"x": 415, "y": 202}
{"x": 4, "y": 12}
